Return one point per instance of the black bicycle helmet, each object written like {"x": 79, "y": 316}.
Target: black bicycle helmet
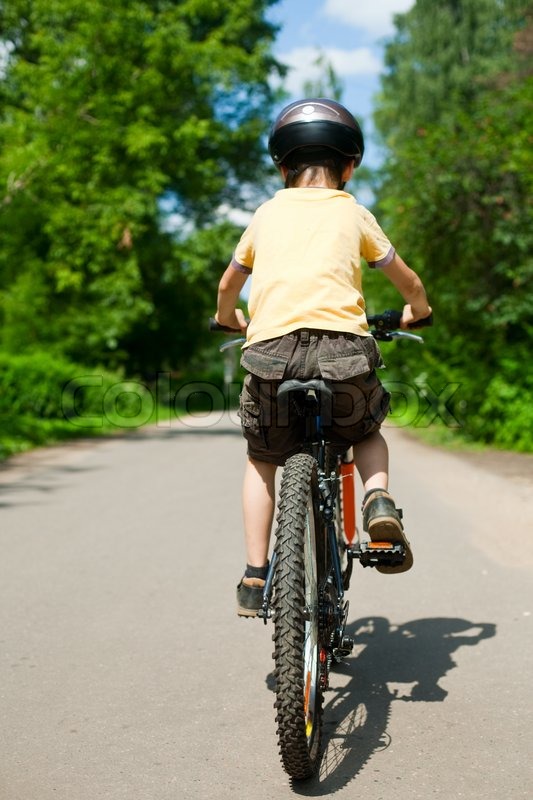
{"x": 316, "y": 122}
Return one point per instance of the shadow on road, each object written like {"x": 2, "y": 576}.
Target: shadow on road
{"x": 401, "y": 663}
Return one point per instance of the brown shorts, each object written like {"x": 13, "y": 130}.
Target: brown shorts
{"x": 348, "y": 362}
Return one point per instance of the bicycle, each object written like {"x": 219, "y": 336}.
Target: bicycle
{"x": 316, "y": 543}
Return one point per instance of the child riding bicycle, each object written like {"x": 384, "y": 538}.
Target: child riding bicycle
{"x": 307, "y": 320}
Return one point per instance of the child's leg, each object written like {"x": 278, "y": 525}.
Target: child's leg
{"x": 372, "y": 461}
{"x": 258, "y": 502}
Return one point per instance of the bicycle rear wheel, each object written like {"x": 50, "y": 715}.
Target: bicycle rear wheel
{"x": 297, "y": 648}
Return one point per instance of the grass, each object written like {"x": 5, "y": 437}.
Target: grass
{"x": 25, "y": 432}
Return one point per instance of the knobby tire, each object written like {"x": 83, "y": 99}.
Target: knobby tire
{"x": 300, "y": 558}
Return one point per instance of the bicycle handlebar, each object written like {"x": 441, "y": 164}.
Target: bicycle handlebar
{"x": 384, "y": 327}
{"x": 387, "y": 321}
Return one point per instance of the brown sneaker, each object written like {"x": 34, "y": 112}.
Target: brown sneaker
{"x": 383, "y": 523}
{"x": 249, "y": 596}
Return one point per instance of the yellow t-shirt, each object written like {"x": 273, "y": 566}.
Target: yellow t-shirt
{"x": 303, "y": 248}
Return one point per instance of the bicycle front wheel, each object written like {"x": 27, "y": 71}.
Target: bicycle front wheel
{"x": 299, "y": 549}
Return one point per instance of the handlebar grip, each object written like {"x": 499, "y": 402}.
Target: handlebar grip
{"x": 425, "y": 322}
{"x": 216, "y": 326}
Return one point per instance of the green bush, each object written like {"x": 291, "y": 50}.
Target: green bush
{"x": 487, "y": 401}
{"x": 505, "y": 416}
{"x": 44, "y": 398}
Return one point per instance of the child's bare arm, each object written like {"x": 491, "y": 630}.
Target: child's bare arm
{"x": 410, "y": 287}
{"x": 229, "y": 288}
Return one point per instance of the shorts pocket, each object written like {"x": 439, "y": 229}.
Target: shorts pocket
{"x": 340, "y": 359}
{"x": 267, "y": 359}
{"x": 250, "y": 414}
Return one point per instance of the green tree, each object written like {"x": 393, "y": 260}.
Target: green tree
{"x": 113, "y": 116}
{"x": 456, "y": 116}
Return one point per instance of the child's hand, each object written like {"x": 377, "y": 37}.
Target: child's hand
{"x": 411, "y": 316}
{"x": 236, "y": 321}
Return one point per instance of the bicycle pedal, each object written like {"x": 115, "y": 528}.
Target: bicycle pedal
{"x": 372, "y": 554}
{"x": 344, "y": 649}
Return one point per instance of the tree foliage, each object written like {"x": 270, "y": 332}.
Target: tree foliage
{"x": 113, "y": 116}
{"x": 456, "y": 116}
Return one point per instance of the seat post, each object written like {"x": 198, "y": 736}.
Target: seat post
{"x": 314, "y": 397}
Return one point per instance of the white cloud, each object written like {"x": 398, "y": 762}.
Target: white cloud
{"x": 302, "y": 64}
{"x": 6, "y": 48}
{"x": 236, "y": 215}
{"x": 373, "y": 16}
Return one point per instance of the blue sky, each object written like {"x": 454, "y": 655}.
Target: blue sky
{"x": 351, "y": 34}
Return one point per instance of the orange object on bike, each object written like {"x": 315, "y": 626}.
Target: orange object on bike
{"x": 348, "y": 499}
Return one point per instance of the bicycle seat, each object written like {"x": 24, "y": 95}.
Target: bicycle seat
{"x": 311, "y": 397}
{"x": 320, "y": 387}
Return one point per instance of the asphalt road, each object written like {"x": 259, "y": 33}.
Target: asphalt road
{"x": 125, "y": 673}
